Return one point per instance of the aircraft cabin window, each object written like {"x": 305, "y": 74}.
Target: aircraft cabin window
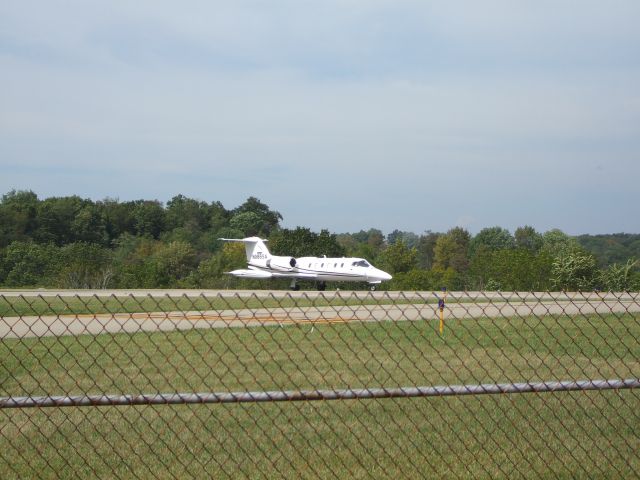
{"x": 322, "y": 265}
{"x": 342, "y": 264}
{"x": 335, "y": 265}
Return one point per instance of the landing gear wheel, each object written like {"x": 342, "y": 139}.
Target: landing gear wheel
{"x": 372, "y": 288}
{"x": 322, "y": 286}
{"x": 294, "y": 286}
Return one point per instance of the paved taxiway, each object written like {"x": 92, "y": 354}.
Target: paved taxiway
{"x": 414, "y": 307}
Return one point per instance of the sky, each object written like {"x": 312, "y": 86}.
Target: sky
{"x": 342, "y": 114}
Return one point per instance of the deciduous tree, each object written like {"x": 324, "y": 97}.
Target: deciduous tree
{"x": 397, "y": 258}
{"x": 491, "y": 239}
{"x": 526, "y": 237}
{"x": 451, "y": 250}
{"x": 574, "y": 269}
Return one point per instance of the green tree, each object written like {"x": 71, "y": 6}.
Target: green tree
{"x": 146, "y": 263}
{"x": 211, "y": 239}
{"x": 232, "y": 257}
{"x": 413, "y": 280}
{"x": 85, "y": 265}
{"x": 574, "y": 269}
{"x": 18, "y": 216}
{"x": 327, "y": 244}
{"x": 89, "y": 226}
{"x": 171, "y": 263}
{"x": 218, "y": 216}
{"x": 119, "y": 218}
{"x": 269, "y": 219}
{"x": 249, "y": 223}
{"x": 619, "y": 278}
{"x": 149, "y": 218}
{"x": 211, "y": 271}
{"x": 29, "y": 264}
{"x": 209, "y": 274}
{"x": 425, "y": 248}
{"x": 348, "y": 242}
{"x": 555, "y": 242}
{"x": 302, "y": 242}
{"x": 425, "y": 280}
{"x": 492, "y": 239}
{"x": 526, "y": 237}
{"x": 375, "y": 240}
{"x": 519, "y": 269}
{"x": 451, "y": 250}
{"x": 186, "y": 212}
{"x": 131, "y": 261}
{"x": 482, "y": 270}
{"x": 410, "y": 239}
{"x": 363, "y": 244}
{"x": 55, "y": 216}
{"x": 447, "y": 278}
{"x": 611, "y": 248}
{"x": 397, "y": 258}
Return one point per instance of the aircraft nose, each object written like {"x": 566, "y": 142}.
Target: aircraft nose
{"x": 382, "y": 276}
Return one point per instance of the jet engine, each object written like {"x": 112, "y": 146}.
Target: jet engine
{"x": 282, "y": 263}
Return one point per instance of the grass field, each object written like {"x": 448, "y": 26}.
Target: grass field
{"x": 38, "y": 305}
{"x": 34, "y": 304}
{"x": 583, "y": 434}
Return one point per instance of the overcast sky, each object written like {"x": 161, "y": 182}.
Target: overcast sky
{"x": 343, "y": 115}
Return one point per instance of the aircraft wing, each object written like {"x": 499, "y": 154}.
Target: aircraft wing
{"x": 255, "y": 273}
{"x": 250, "y": 273}
{"x": 303, "y": 276}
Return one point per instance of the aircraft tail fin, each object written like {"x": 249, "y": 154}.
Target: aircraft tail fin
{"x": 255, "y": 248}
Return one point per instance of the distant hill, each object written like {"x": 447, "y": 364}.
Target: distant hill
{"x": 612, "y": 248}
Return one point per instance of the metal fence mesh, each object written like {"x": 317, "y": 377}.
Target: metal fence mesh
{"x": 238, "y": 384}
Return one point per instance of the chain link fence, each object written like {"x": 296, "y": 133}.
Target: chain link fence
{"x": 200, "y": 384}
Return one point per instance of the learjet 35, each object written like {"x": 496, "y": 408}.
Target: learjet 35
{"x": 261, "y": 264}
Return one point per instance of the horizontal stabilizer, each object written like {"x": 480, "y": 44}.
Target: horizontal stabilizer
{"x": 250, "y": 273}
{"x": 244, "y": 240}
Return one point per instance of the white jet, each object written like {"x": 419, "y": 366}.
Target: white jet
{"x": 319, "y": 269}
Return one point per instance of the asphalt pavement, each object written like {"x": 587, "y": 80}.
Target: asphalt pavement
{"x": 409, "y": 306}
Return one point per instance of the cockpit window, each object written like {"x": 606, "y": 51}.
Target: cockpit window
{"x": 361, "y": 263}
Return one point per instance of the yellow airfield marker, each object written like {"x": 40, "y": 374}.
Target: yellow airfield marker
{"x": 441, "y": 303}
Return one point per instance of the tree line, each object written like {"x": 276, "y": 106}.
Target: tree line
{"x": 71, "y": 242}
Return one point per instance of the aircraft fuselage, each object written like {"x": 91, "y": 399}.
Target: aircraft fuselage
{"x": 343, "y": 269}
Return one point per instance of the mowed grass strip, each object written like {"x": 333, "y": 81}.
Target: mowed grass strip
{"x": 552, "y": 435}
{"x": 38, "y": 305}
{"x": 337, "y": 355}
{"x": 11, "y": 306}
